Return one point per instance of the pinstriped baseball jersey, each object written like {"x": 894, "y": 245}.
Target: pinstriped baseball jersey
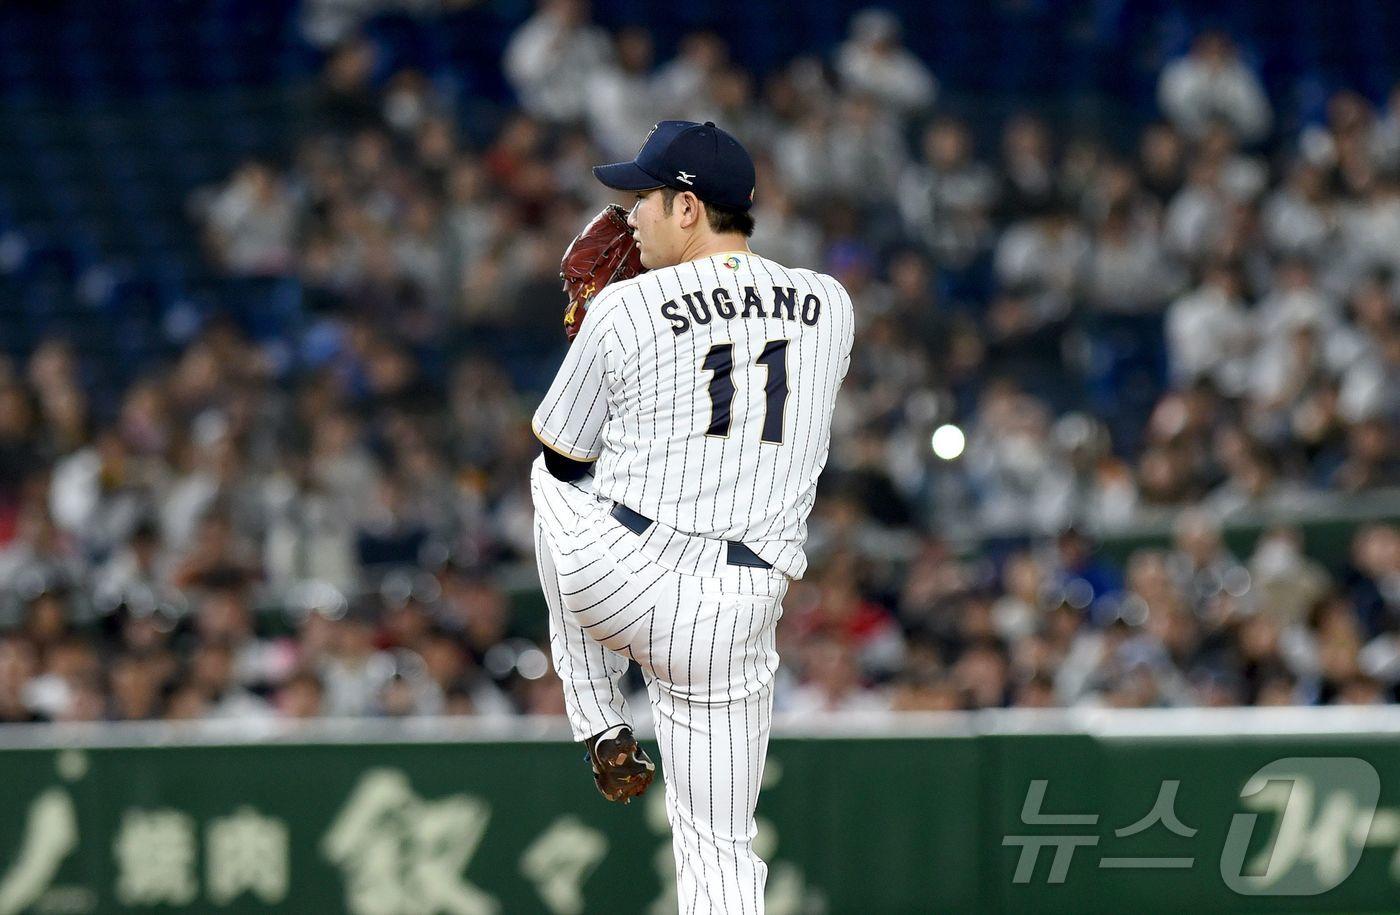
{"x": 705, "y": 393}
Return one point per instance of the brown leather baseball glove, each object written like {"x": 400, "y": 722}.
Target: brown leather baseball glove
{"x": 604, "y": 252}
{"x": 621, "y": 768}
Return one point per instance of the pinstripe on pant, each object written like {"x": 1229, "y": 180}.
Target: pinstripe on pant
{"x": 704, "y": 640}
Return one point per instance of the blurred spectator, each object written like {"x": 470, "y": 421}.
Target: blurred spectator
{"x": 1127, "y": 271}
{"x": 1017, "y": 613}
{"x": 981, "y": 676}
{"x": 864, "y": 152}
{"x": 1299, "y": 218}
{"x": 39, "y": 556}
{"x": 553, "y": 57}
{"x": 1200, "y": 565}
{"x": 832, "y": 681}
{"x": 1385, "y": 137}
{"x": 354, "y": 670}
{"x": 251, "y": 223}
{"x": 409, "y": 107}
{"x": 345, "y": 101}
{"x": 780, "y": 232}
{"x": 1027, "y": 169}
{"x": 1044, "y": 257}
{"x": 1161, "y": 162}
{"x": 1021, "y": 483}
{"x": 838, "y": 608}
{"x": 19, "y": 666}
{"x": 301, "y": 696}
{"x": 873, "y": 61}
{"x": 947, "y": 198}
{"x": 1212, "y": 84}
{"x": 211, "y": 672}
{"x": 623, "y": 101}
{"x": 682, "y": 81}
{"x": 328, "y": 22}
{"x": 1209, "y": 334}
{"x": 136, "y": 689}
{"x": 1196, "y": 221}
{"x": 1373, "y": 577}
{"x": 1282, "y": 581}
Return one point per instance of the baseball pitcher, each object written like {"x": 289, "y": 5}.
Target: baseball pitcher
{"x": 683, "y": 437}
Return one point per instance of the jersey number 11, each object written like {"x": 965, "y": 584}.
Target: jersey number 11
{"x": 720, "y": 360}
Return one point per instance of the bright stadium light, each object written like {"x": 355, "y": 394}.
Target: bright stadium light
{"x": 948, "y": 442}
{"x": 532, "y": 664}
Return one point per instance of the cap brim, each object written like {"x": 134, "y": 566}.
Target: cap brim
{"x": 626, "y": 176}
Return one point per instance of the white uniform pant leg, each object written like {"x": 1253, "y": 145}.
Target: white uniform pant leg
{"x": 588, "y": 671}
{"x": 712, "y": 657}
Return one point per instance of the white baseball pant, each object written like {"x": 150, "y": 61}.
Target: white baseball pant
{"x": 702, "y": 632}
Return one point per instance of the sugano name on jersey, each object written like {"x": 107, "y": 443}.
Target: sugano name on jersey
{"x": 705, "y": 393}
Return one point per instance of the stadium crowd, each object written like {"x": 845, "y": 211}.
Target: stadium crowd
{"x": 334, "y": 520}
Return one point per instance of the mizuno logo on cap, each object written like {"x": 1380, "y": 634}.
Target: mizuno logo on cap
{"x": 685, "y": 177}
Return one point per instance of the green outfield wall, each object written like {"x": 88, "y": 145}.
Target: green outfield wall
{"x": 1123, "y": 812}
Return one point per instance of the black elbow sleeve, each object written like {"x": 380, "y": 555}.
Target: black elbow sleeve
{"x": 565, "y": 468}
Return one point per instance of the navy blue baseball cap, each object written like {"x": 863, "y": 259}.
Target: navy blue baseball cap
{"x": 687, "y": 156}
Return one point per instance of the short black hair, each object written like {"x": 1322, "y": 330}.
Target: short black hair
{"x": 721, "y": 219}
